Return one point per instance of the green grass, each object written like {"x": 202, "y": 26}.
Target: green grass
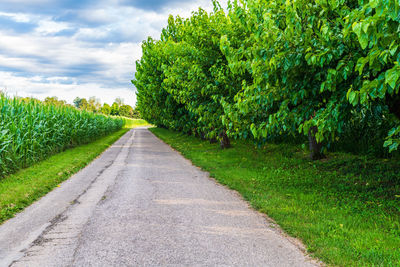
{"x": 346, "y": 209}
{"x": 21, "y": 189}
{"x": 131, "y": 123}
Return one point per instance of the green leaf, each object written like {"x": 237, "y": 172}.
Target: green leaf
{"x": 393, "y": 147}
{"x": 363, "y": 39}
{"x": 357, "y": 28}
{"x": 365, "y": 26}
{"x": 353, "y": 97}
{"x": 388, "y": 143}
{"x": 253, "y": 130}
{"x": 393, "y": 49}
{"x": 391, "y": 77}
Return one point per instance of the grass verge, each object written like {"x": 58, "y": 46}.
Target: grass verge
{"x": 345, "y": 209}
{"x": 21, "y": 189}
{"x": 132, "y": 123}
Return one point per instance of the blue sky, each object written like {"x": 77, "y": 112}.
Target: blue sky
{"x": 79, "y": 48}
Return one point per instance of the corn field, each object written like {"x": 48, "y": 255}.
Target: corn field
{"x": 31, "y": 131}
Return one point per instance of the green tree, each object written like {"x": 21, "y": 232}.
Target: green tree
{"x": 154, "y": 103}
{"x": 136, "y": 114}
{"x": 119, "y": 101}
{"x": 195, "y": 72}
{"x": 81, "y": 103}
{"x": 278, "y": 70}
{"x": 199, "y": 77}
{"x": 94, "y": 104}
{"x": 376, "y": 26}
{"x": 54, "y": 101}
{"x": 126, "y": 111}
{"x": 115, "y": 109}
{"x": 106, "y": 109}
{"x": 302, "y": 63}
{"x": 77, "y": 102}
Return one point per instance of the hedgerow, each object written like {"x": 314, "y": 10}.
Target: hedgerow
{"x": 279, "y": 70}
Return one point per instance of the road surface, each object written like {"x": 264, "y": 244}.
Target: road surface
{"x": 142, "y": 204}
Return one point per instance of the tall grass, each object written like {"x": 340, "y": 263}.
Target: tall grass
{"x": 31, "y": 130}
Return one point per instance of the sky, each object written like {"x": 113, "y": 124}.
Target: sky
{"x": 79, "y": 48}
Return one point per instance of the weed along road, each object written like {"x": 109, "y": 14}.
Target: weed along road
{"x": 142, "y": 204}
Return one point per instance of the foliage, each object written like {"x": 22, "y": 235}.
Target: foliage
{"x": 126, "y": 111}
{"x": 136, "y": 114}
{"x": 273, "y": 70}
{"x": 114, "y": 109}
{"x": 81, "y": 103}
{"x": 118, "y": 108}
{"x": 153, "y": 102}
{"x": 31, "y": 131}
{"x": 376, "y": 24}
{"x": 302, "y": 66}
{"x": 194, "y": 74}
{"x": 105, "y": 109}
{"x": 198, "y": 77}
{"x": 54, "y": 101}
{"x": 119, "y": 101}
{"x": 92, "y": 105}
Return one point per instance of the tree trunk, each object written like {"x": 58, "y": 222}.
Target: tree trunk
{"x": 224, "y": 140}
{"x": 315, "y": 147}
{"x": 213, "y": 140}
{"x": 203, "y": 136}
{"x": 393, "y": 103}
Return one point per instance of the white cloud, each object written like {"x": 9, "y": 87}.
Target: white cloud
{"x": 17, "y": 17}
{"x": 97, "y": 60}
{"x": 41, "y": 87}
{"x": 48, "y": 26}
{"x": 92, "y": 33}
{"x": 18, "y": 63}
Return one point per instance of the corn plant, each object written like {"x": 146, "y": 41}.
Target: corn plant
{"x": 31, "y": 131}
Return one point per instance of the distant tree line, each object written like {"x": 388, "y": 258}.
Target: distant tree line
{"x": 118, "y": 108}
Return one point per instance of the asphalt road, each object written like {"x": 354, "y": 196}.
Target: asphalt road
{"x": 142, "y": 204}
